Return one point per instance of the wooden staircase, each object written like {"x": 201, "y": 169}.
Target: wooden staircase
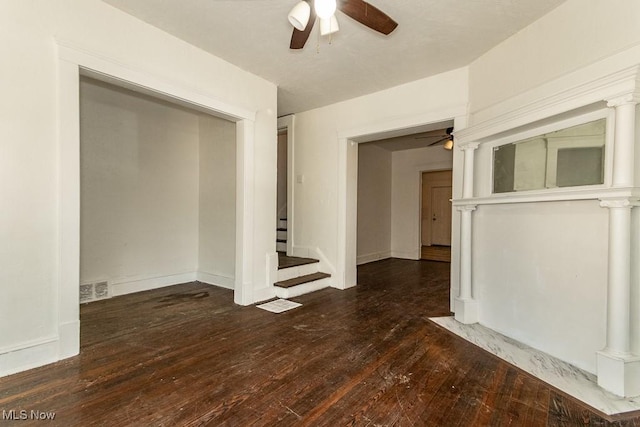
{"x": 299, "y": 276}
{"x": 281, "y": 235}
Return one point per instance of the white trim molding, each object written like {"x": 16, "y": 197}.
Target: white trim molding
{"x": 73, "y": 61}
{"x": 130, "y": 285}
{"x": 531, "y": 107}
{"x": 348, "y": 139}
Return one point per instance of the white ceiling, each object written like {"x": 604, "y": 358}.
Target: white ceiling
{"x": 433, "y": 36}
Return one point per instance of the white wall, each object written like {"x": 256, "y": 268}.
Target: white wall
{"x": 30, "y": 322}
{"x": 139, "y": 187}
{"x": 374, "y": 203}
{"x": 408, "y": 166}
{"x": 575, "y": 34}
{"x": 158, "y": 192}
{"x": 217, "y": 201}
{"x": 540, "y": 271}
{"x": 430, "y": 100}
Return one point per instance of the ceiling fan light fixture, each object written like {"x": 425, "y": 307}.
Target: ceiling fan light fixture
{"x": 325, "y": 8}
{"x": 329, "y": 26}
{"x": 299, "y": 15}
{"x": 448, "y": 145}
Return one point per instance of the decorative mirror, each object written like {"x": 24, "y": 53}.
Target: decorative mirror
{"x": 565, "y": 158}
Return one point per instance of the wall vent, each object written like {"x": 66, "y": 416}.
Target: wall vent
{"x": 86, "y": 293}
{"x": 94, "y": 291}
{"x": 101, "y": 290}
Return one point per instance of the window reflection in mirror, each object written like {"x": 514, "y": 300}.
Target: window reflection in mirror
{"x": 565, "y": 158}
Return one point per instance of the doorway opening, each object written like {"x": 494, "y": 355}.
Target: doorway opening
{"x": 282, "y": 229}
{"x": 157, "y": 189}
{"x": 436, "y": 216}
{"x": 72, "y": 64}
{"x": 390, "y": 189}
{"x": 285, "y": 220}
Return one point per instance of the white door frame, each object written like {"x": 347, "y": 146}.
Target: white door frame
{"x": 72, "y": 63}
{"x": 346, "y": 270}
{"x": 287, "y": 123}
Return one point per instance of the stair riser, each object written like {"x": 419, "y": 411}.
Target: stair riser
{"x": 282, "y": 223}
{"x": 281, "y": 247}
{"x": 281, "y": 235}
{"x": 301, "y": 270}
{"x": 302, "y": 289}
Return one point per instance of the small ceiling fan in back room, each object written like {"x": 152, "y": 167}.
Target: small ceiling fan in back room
{"x": 304, "y": 14}
{"x": 439, "y": 137}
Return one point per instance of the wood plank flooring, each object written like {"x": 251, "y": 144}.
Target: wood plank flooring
{"x": 367, "y": 356}
{"x": 436, "y": 253}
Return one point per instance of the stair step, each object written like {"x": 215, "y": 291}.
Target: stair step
{"x": 281, "y": 229}
{"x": 285, "y": 261}
{"x": 281, "y": 240}
{"x": 302, "y": 279}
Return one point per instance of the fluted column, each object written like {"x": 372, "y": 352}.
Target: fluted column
{"x": 617, "y": 367}
{"x": 466, "y": 307}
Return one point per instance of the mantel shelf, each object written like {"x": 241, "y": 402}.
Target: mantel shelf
{"x": 551, "y": 196}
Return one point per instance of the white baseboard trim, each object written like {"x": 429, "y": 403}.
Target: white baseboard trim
{"x": 123, "y": 287}
{"x": 376, "y": 256}
{"x": 414, "y": 255}
{"x": 28, "y": 355}
{"x": 216, "y": 280}
{"x": 264, "y": 294}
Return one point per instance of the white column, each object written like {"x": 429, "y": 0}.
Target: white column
{"x": 623, "y": 147}
{"x": 619, "y": 276}
{"x": 465, "y": 251}
{"x": 467, "y": 177}
{"x": 634, "y": 315}
{"x": 617, "y": 367}
{"x": 465, "y": 305}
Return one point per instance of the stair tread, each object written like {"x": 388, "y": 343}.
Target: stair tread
{"x": 285, "y": 261}
{"x": 281, "y": 229}
{"x": 301, "y": 279}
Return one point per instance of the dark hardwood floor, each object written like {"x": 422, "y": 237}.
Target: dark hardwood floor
{"x": 436, "y": 253}
{"x": 368, "y": 356}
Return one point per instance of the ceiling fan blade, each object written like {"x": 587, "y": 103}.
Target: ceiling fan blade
{"x": 368, "y": 15}
{"x": 439, "y": 141}
{"x": 429, "y": 136}
{"x": 299, "y": 38}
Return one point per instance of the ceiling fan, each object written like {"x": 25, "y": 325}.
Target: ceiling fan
{"x": 303, "y": 17}
{"x": 447, "y": 139}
